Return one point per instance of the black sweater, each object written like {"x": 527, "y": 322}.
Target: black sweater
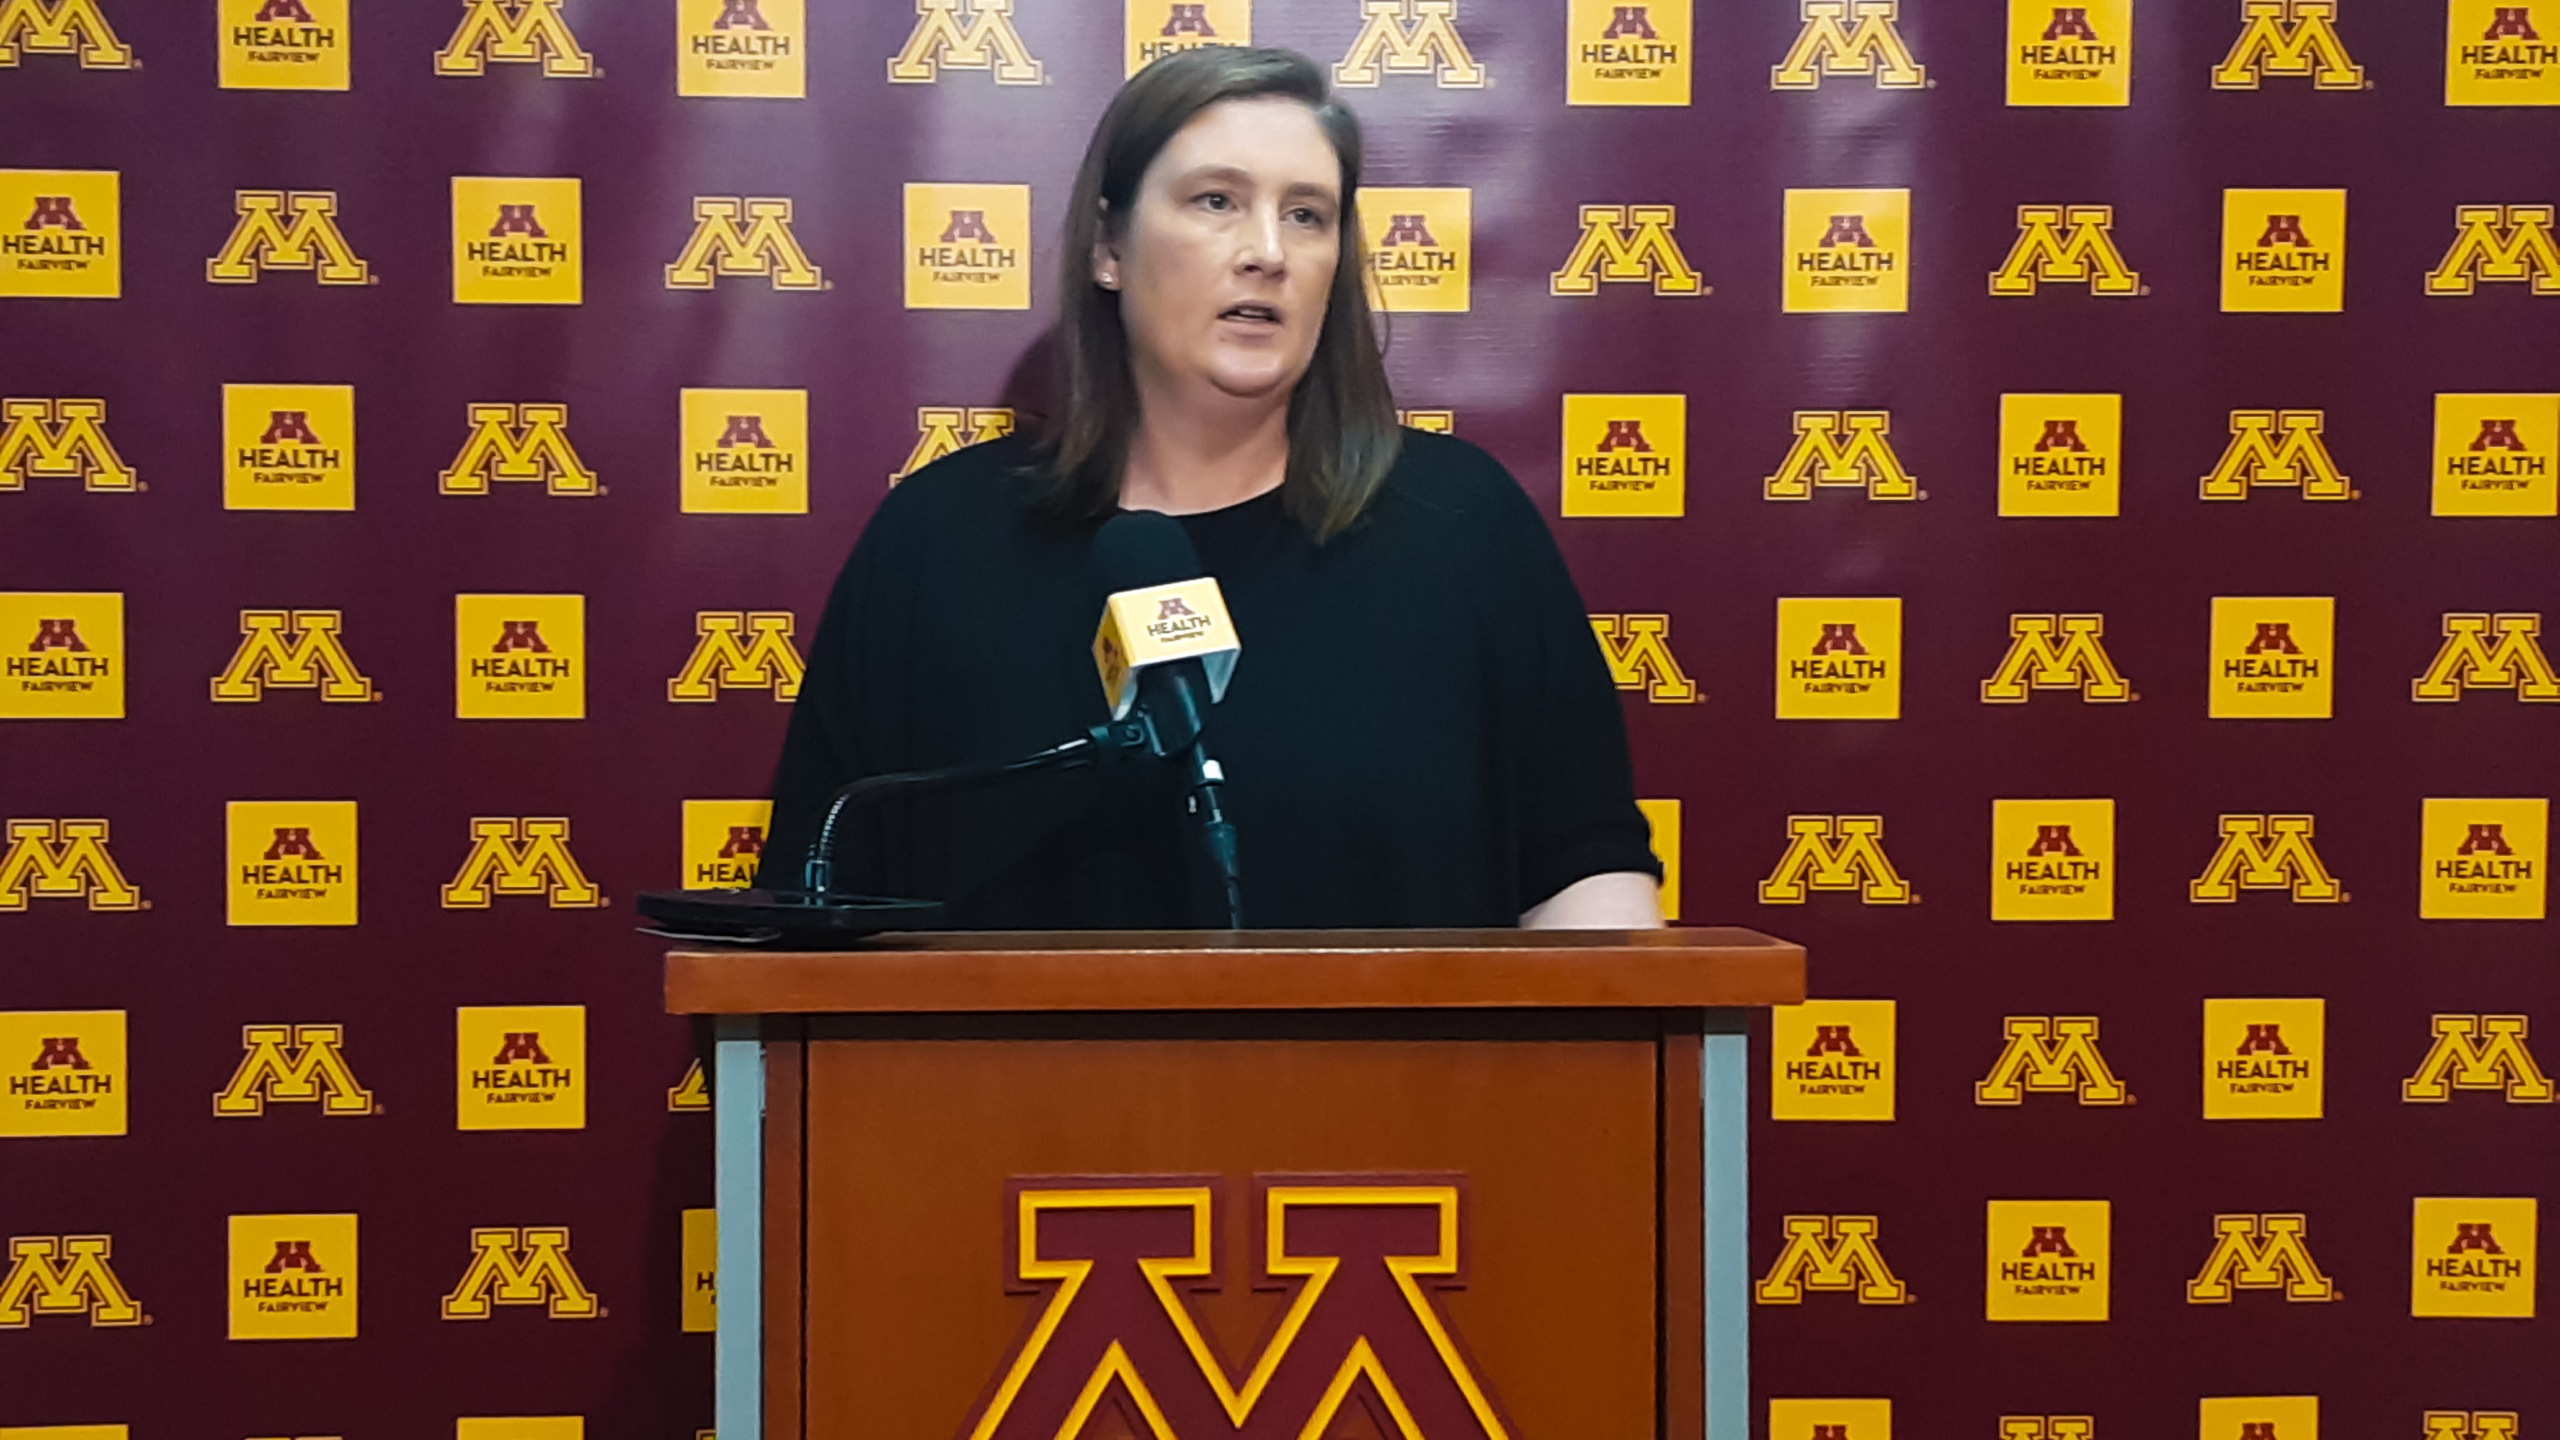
{"x": 1421, "y": 730}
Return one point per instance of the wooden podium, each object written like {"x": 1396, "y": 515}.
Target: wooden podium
{"x": 1217, "y": 1184}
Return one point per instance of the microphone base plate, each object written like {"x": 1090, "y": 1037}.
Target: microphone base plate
{"x": 782, "y": 919}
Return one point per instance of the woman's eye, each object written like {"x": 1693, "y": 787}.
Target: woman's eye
{"x": 1216, "y": 200}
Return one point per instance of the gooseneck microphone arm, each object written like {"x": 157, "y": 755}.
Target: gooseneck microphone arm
{"x": 1102, "y": 742}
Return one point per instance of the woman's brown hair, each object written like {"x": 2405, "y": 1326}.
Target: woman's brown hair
{"x": 1342, "y": 418}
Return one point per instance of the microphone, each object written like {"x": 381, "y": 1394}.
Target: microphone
{"x": 1165, "y": 650}
{"x": 1165, "y": 647}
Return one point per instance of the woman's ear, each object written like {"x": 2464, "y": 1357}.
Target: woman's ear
{"x": 1106, "y": 256}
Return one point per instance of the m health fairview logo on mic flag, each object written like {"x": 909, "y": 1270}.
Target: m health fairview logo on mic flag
{"x": 1186, "y": 620}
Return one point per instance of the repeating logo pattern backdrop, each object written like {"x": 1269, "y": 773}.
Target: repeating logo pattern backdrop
{"x": 2066, "y": 490}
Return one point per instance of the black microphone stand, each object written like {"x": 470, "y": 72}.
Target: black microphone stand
{"x": 1217, "y": 832}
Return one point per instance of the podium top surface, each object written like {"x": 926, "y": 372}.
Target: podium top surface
{"x": 998, "y": 971}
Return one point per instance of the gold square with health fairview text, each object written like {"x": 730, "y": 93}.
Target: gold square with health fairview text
{"x": 2273, "y": 658}
{"x": 2079, "y": 54}
{"x": 1619, "y": 54}
{"x": 518, "y": 240}
{"x": 293, "y": 1277}
{"x": 2484, "y": 859}
{"x": 2053, "y": 859}
{"x": 746, "y": 452}
{"x": 724, "y": 842}
{"x": 2494, "y": 453}
{"x": 2284, "y": 250}
{"x": 520, "y": 657}
{"x": 2047, "y": 1260}
{"x": 520, "y": 1427}
{"x": 757, "y": 50}
{"x": 283, "y": 44}
{"x": 1832, "y": 1060}
{"x": 1625, "y": 455}
{"x": 1153, "y": 29}
{"x": 66, "y": 1072}
{"x": 2258, "y": 1417}
{"x": 2474, "y": 1258}
{"x": 61, "y": 234}
{"x": 1848, "y": 250}
{"x": 1662, "y": 826}
{"x": 2061, "y": 454}
{"x": 1420, "y": 244}
{"x": 1830, "y": 1420}
{"x": 968, "y": 247}
{"x": 292, "y": 862}
{"x": 700, "y": 1303}
{"x": 1840, "y": 658}
{"x": 288, "y": 447}
{"x": 62, "y": 655}
{"x": 2494, "y": 53}
{"x": 2266, "y": 1059}
{"x": 520, "y": 1067}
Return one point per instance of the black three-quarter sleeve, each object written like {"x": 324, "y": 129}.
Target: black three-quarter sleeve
{"x": 1576, "y": 807}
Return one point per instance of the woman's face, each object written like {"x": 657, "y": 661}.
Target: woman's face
{"x": 1230, "y": 249}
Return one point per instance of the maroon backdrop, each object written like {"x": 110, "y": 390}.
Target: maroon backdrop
{"x": 386, "y": 147}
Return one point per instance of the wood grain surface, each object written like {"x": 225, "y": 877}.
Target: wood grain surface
{"x": 961, "y": 972}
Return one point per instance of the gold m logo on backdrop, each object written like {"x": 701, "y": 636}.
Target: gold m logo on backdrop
{"x": 518, "y": 442}
{"x": 2290, "y": 38}
{"x": 2499, "y": 243}
{"x": 59, "y": 439}
{"x": 1638, "y": 650}
{"x": 2468, "y": 661}
{"x": 514, "y": 32}
{"x": 1362, "y": 1318}
{"x": 528, "y": 856}
{"x": 2066, "y": 245}
{"x": 743, "y": 236}
{"x": 262, "y": 240}
{"x": 1841, "y": 448}
{"x": 987, "y": 42}
{"x": 2259, "y": 1252}
{"x": 2048, "y": 1427}
{"x": 1826, "y": 1253}
{"x": 1626, "y": 243}
{"x": 63, "y": 1275}
{"x": 2265, "y": 852}
{"x": 1835, "y": 852}
{"x": 942, "y": 429}
{"x": 2037, "y": 661}
{"x": 2471, "y": 1425}
{"x": 719, "y": 662}
{"x": 2050, "y": 1055}
{"x": 528, "y": 1266}
{"x": 2276, "y": 448}
{"x": 61, "y": 27}
{"x": 63, "y": 860}
{"x": 291, "y": 650}
{"x": 2478, "y": 1052}
{"x": 293, "y": 1065}
{"x": 1409, "y": 37}
{"x": 1829, "y": 45}
{"x": 691, "y": 1093}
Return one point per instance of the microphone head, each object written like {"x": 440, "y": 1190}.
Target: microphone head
{"x": 1141, "y": 549}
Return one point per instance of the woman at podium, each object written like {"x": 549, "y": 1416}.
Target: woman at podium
{"x": 1420, "y": 729}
